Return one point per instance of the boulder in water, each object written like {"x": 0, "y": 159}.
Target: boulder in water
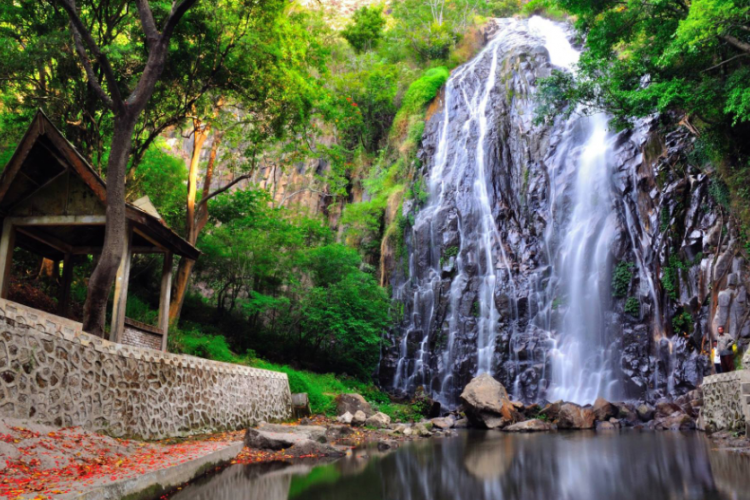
{"x": 604, "y": 410}
{"x": 487, "y": 404}
{"x": 573, "y": 416}
{"x": 346, "y": 418}
{"x": 645, "y": 412}
{"x": 443, "y": 423}
{"x": 534, "y": 425}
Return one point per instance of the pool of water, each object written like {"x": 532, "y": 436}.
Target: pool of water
{"x": 629, "y": 465}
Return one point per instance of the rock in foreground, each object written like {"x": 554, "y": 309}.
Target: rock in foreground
{"x": 573, "y": 416}
{"x": 487, "y": 404}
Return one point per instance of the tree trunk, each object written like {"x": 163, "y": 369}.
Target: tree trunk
{"x": 100, "y": 283}
{"x": 185, "y": 267}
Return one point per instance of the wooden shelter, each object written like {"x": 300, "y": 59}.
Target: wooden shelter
{"x": 53, "y": 203}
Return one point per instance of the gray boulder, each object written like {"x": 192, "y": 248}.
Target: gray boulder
{"x": 346, "y": 418}
{"x": 359, "y": 418}
{"x": 487, "y": 404}
{"x": 443, "y": 423}
{"x": 353, "y": 403}
{"x": 379, "y": 420}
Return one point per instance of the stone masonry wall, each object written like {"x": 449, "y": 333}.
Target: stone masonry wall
{"x": 53, "y": 373}
{"x": 722, "y": 402}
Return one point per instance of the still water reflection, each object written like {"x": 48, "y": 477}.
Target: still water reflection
{"x": 483, "y": 466}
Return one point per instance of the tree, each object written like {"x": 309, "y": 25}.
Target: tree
{"x": 126, "y": 108}
{"x": 671, "y": 55}
{"x": 366, "y": 28}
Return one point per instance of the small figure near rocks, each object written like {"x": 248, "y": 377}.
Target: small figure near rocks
{"x": 726, "y": 354}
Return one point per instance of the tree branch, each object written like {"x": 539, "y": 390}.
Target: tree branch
{"x": 225, "y": 188}
{"x": 93, "y": 80}
{"x": 724, "y": 62}
{"x": 736, "y": 42}
{"x": 85, "y": 36}
{"x": 178, "y": 11}
{"x": 147, "y": 23}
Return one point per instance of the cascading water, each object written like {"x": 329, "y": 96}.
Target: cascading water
{"x": 510, "y": 259}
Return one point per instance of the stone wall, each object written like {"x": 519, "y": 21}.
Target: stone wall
{"x": 53, "y": 373}
{"x": 722, "y": 402}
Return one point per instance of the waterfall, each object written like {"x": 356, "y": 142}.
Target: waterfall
{"x": 511, "y": 258}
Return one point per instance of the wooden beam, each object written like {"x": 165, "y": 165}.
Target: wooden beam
{"x": 7, "y": 242}
{"x": 48, "y": 240}
{"x": 50, "y": 181}
{"x": 164, "y": 299}
{"x": 67, "y": 279}
{"x": 149, "y": 239}
{"x": 60, "y": 220}
{"x": 120, "y": 301}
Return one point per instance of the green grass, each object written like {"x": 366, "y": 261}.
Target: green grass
{"x": 321, "y": 388}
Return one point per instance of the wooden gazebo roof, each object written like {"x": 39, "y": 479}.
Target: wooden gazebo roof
{"x": 48, "y": 179}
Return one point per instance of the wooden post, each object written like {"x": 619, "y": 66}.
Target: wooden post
{"x": 67, "y": 279}
{"x": 120, "y": 301}
{"x": 7, "y": 242}
{"x": 164, "y": 299}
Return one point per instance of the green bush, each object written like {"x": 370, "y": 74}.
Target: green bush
{"x": 366, "y": 29}
{"x": 423, "y": 90}
{"x": 633, "y": 306}
{"x": 621, "y": 278}
{"x": 682, "y": 322}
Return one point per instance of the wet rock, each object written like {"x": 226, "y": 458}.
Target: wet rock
{"x": 606, "y": 426}
{"x": 665, "y": 408}
{"x": 313, "y": 432}
{"x": 552, "y": 410}
{"x": 262, "y": 441}
{"x": 423, "y": 429}
{"x": 487, "y": 404}
{"x": 604, "y": 410}
{"x": 359, "y": 418}
{"x": 379, "y": 421}
{"x": 336, "y": 432}
{"x": 573, "y": 416}
{"x": 353, "y": 403}
{"x": 534, "y": 425}
{"x": 675, "y": 422}
{"x": 443, "y": 423}
{"x": 387, "y": 445}
{"x": 645, "y": 412}
{"x": 311, "y": 449}
{"x": 461, "y": 423}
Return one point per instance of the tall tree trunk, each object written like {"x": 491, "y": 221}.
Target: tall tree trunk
{"x": 185, "y": 267}
{"x": 100, "y": 283}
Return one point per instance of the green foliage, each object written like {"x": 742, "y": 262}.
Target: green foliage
{"x": 423, "y": 90}
{"x": 682, "y": 322}
{"x": 633, "y": 307}
{"x": 621, "y": 278}
{"x": 646, "y": 57}
{"x": 546, "y": 8}
{"x": 162, "y": 176}
{"x": 671, "y": 276}
{"x": 366, "y": 28}
{"x": 719, "y": 191}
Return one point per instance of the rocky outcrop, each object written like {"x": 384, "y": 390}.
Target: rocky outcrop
{"x": 486, "y": 403}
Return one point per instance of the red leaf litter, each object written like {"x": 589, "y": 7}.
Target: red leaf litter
{"x": 45, "y": 461}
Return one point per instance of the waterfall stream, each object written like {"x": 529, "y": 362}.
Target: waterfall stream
{"x": 511, "y": 258}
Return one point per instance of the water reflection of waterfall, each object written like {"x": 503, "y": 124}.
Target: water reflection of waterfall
{"x": 495, "y": 466}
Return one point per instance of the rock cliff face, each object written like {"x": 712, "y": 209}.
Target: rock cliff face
{"x": 540, "y": 254}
